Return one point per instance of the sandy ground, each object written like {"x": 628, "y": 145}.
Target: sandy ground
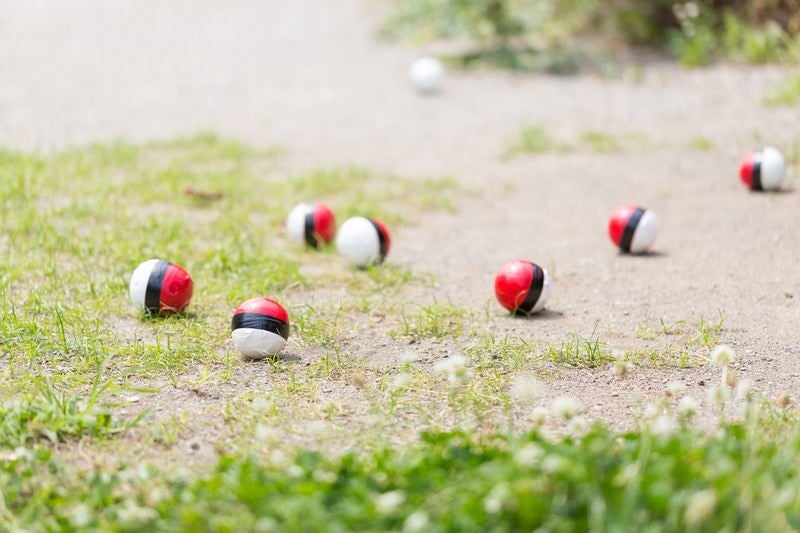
{"x": 309, "y": 75}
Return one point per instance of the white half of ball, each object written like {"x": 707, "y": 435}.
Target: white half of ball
{"x": 545, "y": 294}
{"x": 773, "y": 168}
{"x": 358, "y": 241}
{"x": 426, "y": 74}
{"x": 296, "y": 222}
{"x": 138, "y": 284}
{"x": 645, "y": 234}
{"x": 257, "y": 343}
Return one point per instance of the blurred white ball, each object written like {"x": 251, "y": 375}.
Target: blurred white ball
{"x": 426, "y": 75}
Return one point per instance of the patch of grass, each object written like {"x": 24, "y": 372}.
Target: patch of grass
{"x": 700, "y": 143}
{"x": 600, "y": 142}
{"x": 510, "y": 351}
{"x": 436, "y": 321}
{"x": 786, "y": 94}
{"x": 658, "y": 475}
{"x": 534, "y": 139}
{"x": 580, "y": 352}
{"x": 55, "y": 415}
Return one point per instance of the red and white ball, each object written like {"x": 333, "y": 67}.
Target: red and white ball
{"x": 260, "y": 327}
{"x": 522, "y": 287}
{"x": 311, "y": 223}
{"x": 364, "y": 241}
{"x": 633, "y": 229}
{"x": 764, "y": 170}
{"x": 160, "y": 287}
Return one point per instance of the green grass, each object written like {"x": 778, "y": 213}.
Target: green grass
{"x": 437, "y": 321}
{"x": 600, "y": 142}
{"x": 535, "y": 139}
{"x": 76, "y": 223}
{"x": 786, "y": 94}
{"x": 700, "y": 143}
{"x": 662, "y": 475}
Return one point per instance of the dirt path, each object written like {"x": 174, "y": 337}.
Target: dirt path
{"x": 309, "y": 76}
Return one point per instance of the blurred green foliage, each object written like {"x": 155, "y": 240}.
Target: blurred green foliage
{"x": 541, "y": 34}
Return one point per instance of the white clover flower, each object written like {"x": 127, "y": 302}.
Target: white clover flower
{"x": 621, "y": 367}
{"x": 528, "y": 455}
{"x": 416, "y": 521}
{"x": 409, "y": 357}
{"x": 266, "y": 433}
{"x": 323, "y": 475}
{"x": 294, "y": 471}
{"x": 538, "y": 416}
{"x": 723, "y": 355}
{"x": 130, "y": 512}
{"x": 80, "y": 515}
{"x": 744, "y": 389}
{"x": 400, "y": 381}
{"x": 577, "y": 426}
{"x": 552, "y": 464}
{"x": 389, "y": 501}
{"x": 729, "y": 377}
{"x": 687, "y": 407}
{"x": 674, "y": 389}
{"x": 455, "y": 368}
{"x": 650, "y": 410}
{"x": 691, "y": 9}
{"x": 566, "y": 407}
{"x": 524, "y": 388}
{"x": 719, "y": 395}
{"x": 664, "y": 425}
{"x": 494, "y": 501}
{"x": 700, "y": 506}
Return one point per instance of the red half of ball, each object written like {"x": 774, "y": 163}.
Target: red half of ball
{"x": 264, "y": 306}
{"x": 324, "y": 222}
{"x": 619, "y": 221}
{"x": 176, "y": 289}
{"x": 384, "y": 237}
{"x": 746, "y": 168}
{"x": 512, "y": 283}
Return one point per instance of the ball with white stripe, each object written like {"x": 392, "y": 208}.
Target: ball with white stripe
{"x": 363, "y": 241}
{"x": 311, "y": 223}
{"x": 160, "y": 287}
{"x": 260, "y": 327}
{"x": 633, "y": 229}
{"x": 522, "y": 287}
{"x": 764, "y": 170}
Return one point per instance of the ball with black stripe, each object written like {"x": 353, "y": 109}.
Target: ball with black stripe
{"x": 364, "y": 241}
{"x": 311, "y": 223}
{"x": 260, "y": 327}
{"x": 633, "y": 229}
{"x": 160, "y": 287}
{"x": 522, "y": 287}
{"x": 764, "y": 170}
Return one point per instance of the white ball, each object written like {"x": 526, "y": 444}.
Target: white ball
{"x": 773, "y": 168}
{"x": 426, "y": 75}
{"x": 296, "y": 222}
{"x": 359, "y": 242}
{"x": 645, "y": 234}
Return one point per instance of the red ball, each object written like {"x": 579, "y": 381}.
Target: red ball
{"x": 522, "y": 287}
{"x": 158, "y": 286}
{"x": 311, "y": 223}
{"x": 260, "y": 327}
